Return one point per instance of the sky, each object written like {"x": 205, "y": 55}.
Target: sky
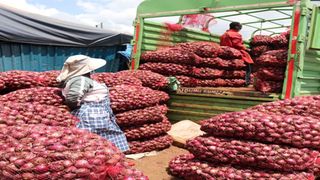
{"x": 115, "y": 14}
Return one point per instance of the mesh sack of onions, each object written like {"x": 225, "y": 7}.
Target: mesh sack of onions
{"x": 167, "y": 69}
{"x": 259, "y": 50}
{"x": 147, "y": 130}
{"x": 219, "y": 63}
{"x": 137, "y": 117}
{"x": 125, "y": 97}
{"x": 274, "y": 58}
{"x": 186, "y": 166}
{"x": 268, "y": 86}
{"x": 41, "y": 95}
{"x": 148, "y": 145}
{"x": 296, "y": 106}
{"x": 209, "y": 50}
{"x": 12, "y": 113}
{"x": 197, "y": 47}
{"x": 259, "y": 40}
{"x": 115, "y": 79}
{"x": 248, "y": 153}
{"x": 208, "y": 73}
{"x": 271, "y": 74}
{"x": 22, "y": 79}
{"x": 292, "y": 130}
{"x": 222, "y": 83}
{"x": 148, "y": 78}
{"x": 49, "y": 78}
{"x": 186, "y": 81}
{"x": 280, "y": 41}
{"x": 52, "y": 152}
{"x": 168, "y": 55}
{"x": 229, "y": 53}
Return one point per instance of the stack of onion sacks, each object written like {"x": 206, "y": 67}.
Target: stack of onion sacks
{"x": 206, "y": 61}
{"x": 270, "y": 56}
{"x": 140, "y": 113}
{"x": 48, "y": 152}
{"x": 254, "y": 141}
{"x": 12, "y": 113}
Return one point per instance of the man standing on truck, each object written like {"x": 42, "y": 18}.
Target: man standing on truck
{"x": 233, "y": 38}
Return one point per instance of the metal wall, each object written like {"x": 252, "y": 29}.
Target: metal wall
{"x": 14, "y": 56}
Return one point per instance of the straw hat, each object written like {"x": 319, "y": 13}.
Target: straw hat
{"x": 79, "y": 65}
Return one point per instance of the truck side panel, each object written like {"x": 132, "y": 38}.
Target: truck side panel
{"x": 15, "y": 56}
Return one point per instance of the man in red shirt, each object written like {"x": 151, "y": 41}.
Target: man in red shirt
{"x": 233, "y": 38}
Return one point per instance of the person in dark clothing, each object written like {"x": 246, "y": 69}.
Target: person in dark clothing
{"x": 233, "y": 38}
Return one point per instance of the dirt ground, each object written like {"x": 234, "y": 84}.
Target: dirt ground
{"x": 155, "y": 167}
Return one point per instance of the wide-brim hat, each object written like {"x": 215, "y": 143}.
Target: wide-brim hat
{"x": 79, "y": 65}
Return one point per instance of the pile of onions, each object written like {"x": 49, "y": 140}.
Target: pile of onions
{"x": 21, "y": 79}
{"x": 125, "y": 98}
{"x": 147, "y": 130}
{"x": 202, "y": 48}
{"x": 296, "y": 131}
{"x": 270, "y": 55}
{"x": 49, "y": 152}
{"x": 302, "y": 106}
{"x": 248, "y": 153}
{"x": 274, "y": 58}
{"x": 187, "y": 167}
{"x": 219, "y": 63}
{"x": 148, "y": 78}
{"x": 115, "y": 79}
{"x": 202, "y": 60}
{"x": 168, "y": 55}
{"x": 167, "y": 69}
{"x": 229, "y": 53}
{"x": 259, "y": 40}
{"x": 256, "y": 51}
{"x": 271, "y": 74}
{"x": 12, "y": 114}
{"x": 208, "y": 73}
{"x": 40, "y": 95}
{"x": 187, "y": 81}
{"x": 147, "y": 145}
{"x": 137, "y": 117}
{"x": 49, "y": 78}
{"x": 280, "y": 41}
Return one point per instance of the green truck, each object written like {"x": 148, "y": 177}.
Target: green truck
{"x": 303, "y": 67}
